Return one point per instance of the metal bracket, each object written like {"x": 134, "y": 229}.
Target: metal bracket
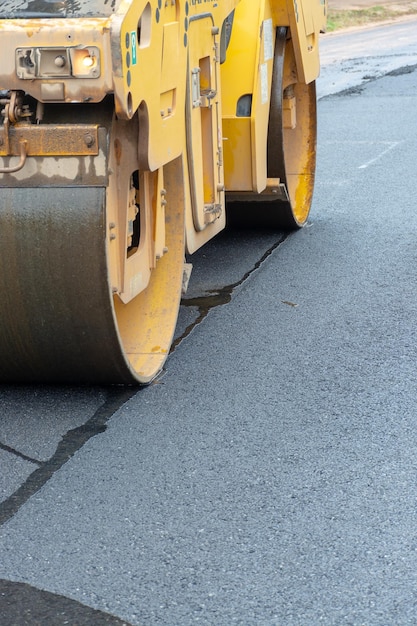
{"x": 200, "y": 98}
{"x": 22, "y": 161}
{"x": 212, "y": 212}
{"x": 195, "y": 87}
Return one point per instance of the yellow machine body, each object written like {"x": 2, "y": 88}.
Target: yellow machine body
{"x": 126, "y": 132}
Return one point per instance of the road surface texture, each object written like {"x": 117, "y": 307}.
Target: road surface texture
{"x": 269, "y": 477}
{"x": 354, "y": 57}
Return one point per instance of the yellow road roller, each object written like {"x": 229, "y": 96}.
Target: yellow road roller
{"x": 127, "y": 129}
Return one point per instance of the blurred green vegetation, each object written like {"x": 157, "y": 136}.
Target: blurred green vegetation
{"x": 337, "y": 18}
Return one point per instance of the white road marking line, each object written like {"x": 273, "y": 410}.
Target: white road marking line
{"x": 391, "y": 146}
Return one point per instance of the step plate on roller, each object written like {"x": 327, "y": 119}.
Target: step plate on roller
{"x": 57, "y": 322}
{"x": 50, "y": 140}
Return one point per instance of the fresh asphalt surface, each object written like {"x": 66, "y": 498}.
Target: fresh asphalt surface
{"x": 270, "y": 476}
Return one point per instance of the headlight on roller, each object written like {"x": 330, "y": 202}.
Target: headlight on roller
{"x": 58, "y": 62}
{"x": 85, "y": 62}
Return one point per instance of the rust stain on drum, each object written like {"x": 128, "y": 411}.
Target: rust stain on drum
{"x": 118, "y": 150}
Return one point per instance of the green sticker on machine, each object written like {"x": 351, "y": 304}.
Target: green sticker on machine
{"x": 133, "y": 39}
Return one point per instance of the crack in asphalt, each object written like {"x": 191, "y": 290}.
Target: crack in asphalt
{"x": 70, "y": 443}
{"x": 20, "y": 455}
{"x": 219, "y": 297}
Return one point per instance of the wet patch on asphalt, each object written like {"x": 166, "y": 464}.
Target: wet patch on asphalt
{"x": 407, "y": 69}
{"x": 357, "y": 90}
{"x": 24, "y": 605}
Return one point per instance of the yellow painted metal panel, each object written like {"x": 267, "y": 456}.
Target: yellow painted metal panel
{"x": 306, "y": 18}
{"x": 237, "y": 147}
{"x": 247, "y": 73}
